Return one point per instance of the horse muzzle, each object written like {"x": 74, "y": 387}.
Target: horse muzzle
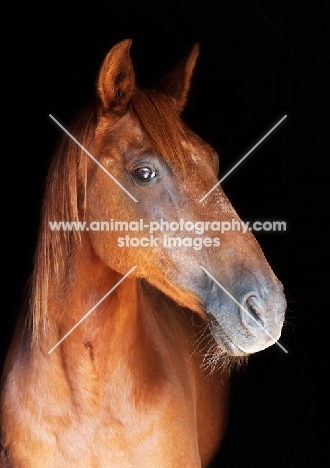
{"x": 248, "y": 320}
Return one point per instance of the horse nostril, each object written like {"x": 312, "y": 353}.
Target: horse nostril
{"x": 251, "y": 312}
{"x": 251, "y": 307}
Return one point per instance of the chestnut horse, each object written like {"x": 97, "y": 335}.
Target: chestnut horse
{"x": 130, "y": 386}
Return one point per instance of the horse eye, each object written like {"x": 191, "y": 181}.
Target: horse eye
{"x": 144, "y": 173}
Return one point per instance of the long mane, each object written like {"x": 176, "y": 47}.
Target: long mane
{"x": 65, "y": 194}
{"x": 64, "y": 199}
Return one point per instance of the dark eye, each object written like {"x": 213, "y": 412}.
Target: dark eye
{"x": 144, "y": 173}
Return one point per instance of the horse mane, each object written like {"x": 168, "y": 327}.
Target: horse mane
{"x": 64, "y": 199}
{"x": 65, "y": 193}
{"x": 161, "y": 122}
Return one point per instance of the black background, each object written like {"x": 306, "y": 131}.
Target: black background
{"x": 259, "y": 60}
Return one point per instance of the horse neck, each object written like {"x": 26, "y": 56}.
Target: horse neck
{"x": 85, "y": 281}
{"x": 128, "y": 344}
{"x": 133, "y": 324}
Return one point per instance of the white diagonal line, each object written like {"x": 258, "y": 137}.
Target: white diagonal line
{"x": 91, "y": 310}
{"x": 236, "y": 302}
{"x": 242, "y": 159}
{"x": 92, "y": 157}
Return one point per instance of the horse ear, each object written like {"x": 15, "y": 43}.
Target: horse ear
{"x": 176, "y": 84}
{"x": 116, "y": 81}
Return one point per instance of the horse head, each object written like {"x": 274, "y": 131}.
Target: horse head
{"x": 141, "y": 140}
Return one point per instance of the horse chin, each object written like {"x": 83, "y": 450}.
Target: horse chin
{"x": 222, "y": 339}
